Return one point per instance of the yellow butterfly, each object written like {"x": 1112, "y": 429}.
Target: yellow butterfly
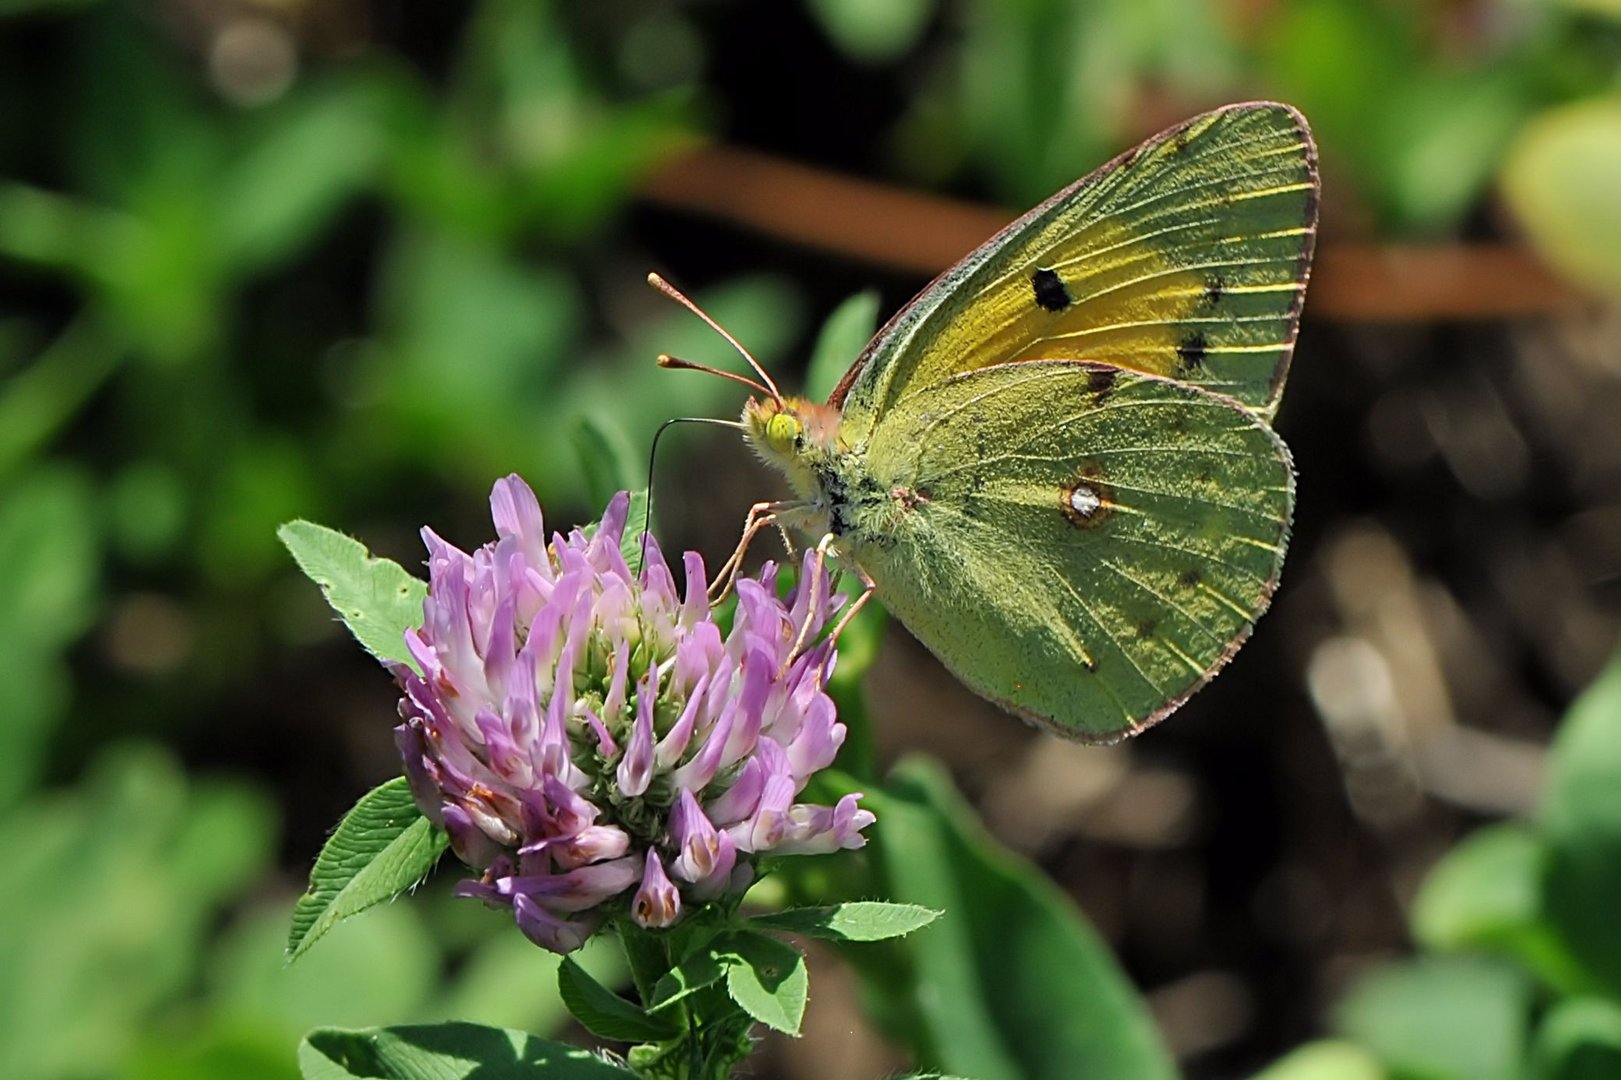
{"x": 1055, "y": 465}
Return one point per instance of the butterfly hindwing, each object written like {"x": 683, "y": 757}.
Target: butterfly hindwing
{"x": 1083, "y": 544}
{"x": 1186, "y": 258}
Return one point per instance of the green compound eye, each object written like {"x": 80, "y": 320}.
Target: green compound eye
{"x": 781, "y": 431}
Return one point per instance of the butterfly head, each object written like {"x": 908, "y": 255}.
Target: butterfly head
{"x": 797, "y": 436}
{"x": 792, "y": 434}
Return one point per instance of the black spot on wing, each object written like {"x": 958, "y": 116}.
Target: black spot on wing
{"x": 1050, "y": 291}
{"x": 1215, "y": 289}
{"x": 1192, "y": 351}
{"x": 1100, "y": 383}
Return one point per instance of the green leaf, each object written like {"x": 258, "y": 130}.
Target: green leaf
{"x": 160, "y": 857}
{"x": 768, "y": 979}
{"x": 873, "y": 30}
{"x": 861, "y": 920}
{"x": 45, "y": 395}
{"x": 697, "y": 971}
{"x": 1605, "y": 8}
{"x": 842, "y": 337}
{"x": 604, "y": 1013}
{"x": 505, "y": 981}
{"x": 1013, "y": 982}
{"x": 50, "y": 549}
{"x": 1580, "y": 1039}
{"x": 446, "y": 1052}
{"x": 630, "y": 545}
{"x": 1557, "y": 178}
{"x": 1444, "y": 135}
{"x": 371, "y": 971}
{"x": 647, "y": 956}
{"x": 1487, "y": 885}
{"x": 382, "y": 847}
{"x": 605, "y": 458}
{"x": 376, "y": 598}
{"x": 507, "y": 322}
{"x": 1325, "y": 1059}
{"x": 1486, "y": 894}
{"x": 1582, "y": 825}
{"x": 1455, "y": 1018}
{"x": 314, "y": 151}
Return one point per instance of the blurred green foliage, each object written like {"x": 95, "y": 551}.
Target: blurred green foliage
{"x": 1414, "y": 105}
{"x": 267, "y": 262}
{"x": 1559, "y": 178}
{"x": 1521, "y": 970}
{"x": 1012, "y": 983}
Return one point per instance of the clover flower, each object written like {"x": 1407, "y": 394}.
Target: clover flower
{"x": 581, "y": 731}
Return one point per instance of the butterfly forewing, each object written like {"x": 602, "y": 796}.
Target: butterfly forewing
{"x": 1186, "y": 258}
{"x": 1083, "y": 545}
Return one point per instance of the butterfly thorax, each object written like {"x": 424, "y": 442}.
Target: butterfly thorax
{"x": 801, "y": 439}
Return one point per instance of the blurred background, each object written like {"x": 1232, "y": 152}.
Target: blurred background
{"x": 351, "y": 260}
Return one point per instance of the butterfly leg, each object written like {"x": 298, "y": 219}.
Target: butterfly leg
{"x": 787, "y": 541}
{"x": 867, "y": 587}
{"x": 816, "y": 600}
{"x": 760, "y": 515}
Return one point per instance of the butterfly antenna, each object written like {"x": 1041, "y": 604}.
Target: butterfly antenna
{"x": 652, "y": 457}
{"x": 665, "y": 360}
{"x": 658, "y": 282}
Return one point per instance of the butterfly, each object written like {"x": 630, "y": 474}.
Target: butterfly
{"x": 1056, "y": 464}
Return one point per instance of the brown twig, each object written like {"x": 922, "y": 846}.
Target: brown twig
{"x": 919, "y": 233}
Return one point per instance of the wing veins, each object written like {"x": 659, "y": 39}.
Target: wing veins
{"x": 1104, "y": 215}
{"x": 1256, "y": 348}
{"x": 1011, "y": 324}
{"x": 1281, "y": 189}
{"x": 1108, "y": 216}
{"x": 1179, "y": 495}
{"x": 1086, "y": 255}
{"x": 1165, "y": 600}
{"x": 939, "y": 418}
{"x": 1189, "y": 162}
{"x": 1162, "y": 545}
{"x": 1114, "y": 640}
{"x": 1166, "y": 252}
{"x": 1104, "y": 328}
{"x": 1017, "y": 454}
{"x": 1242, "y": 612}
{"x": 1069, "y": 418}
{"x": 1089, "y": 297}
{"x": 1276, "y": 150}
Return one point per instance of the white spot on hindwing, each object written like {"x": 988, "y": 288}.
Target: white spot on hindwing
{"x": 1088, "y": 500}
{"x": 1085, "y": 500}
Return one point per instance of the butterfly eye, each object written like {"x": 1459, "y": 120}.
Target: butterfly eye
{"x": 782, "y": 431}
